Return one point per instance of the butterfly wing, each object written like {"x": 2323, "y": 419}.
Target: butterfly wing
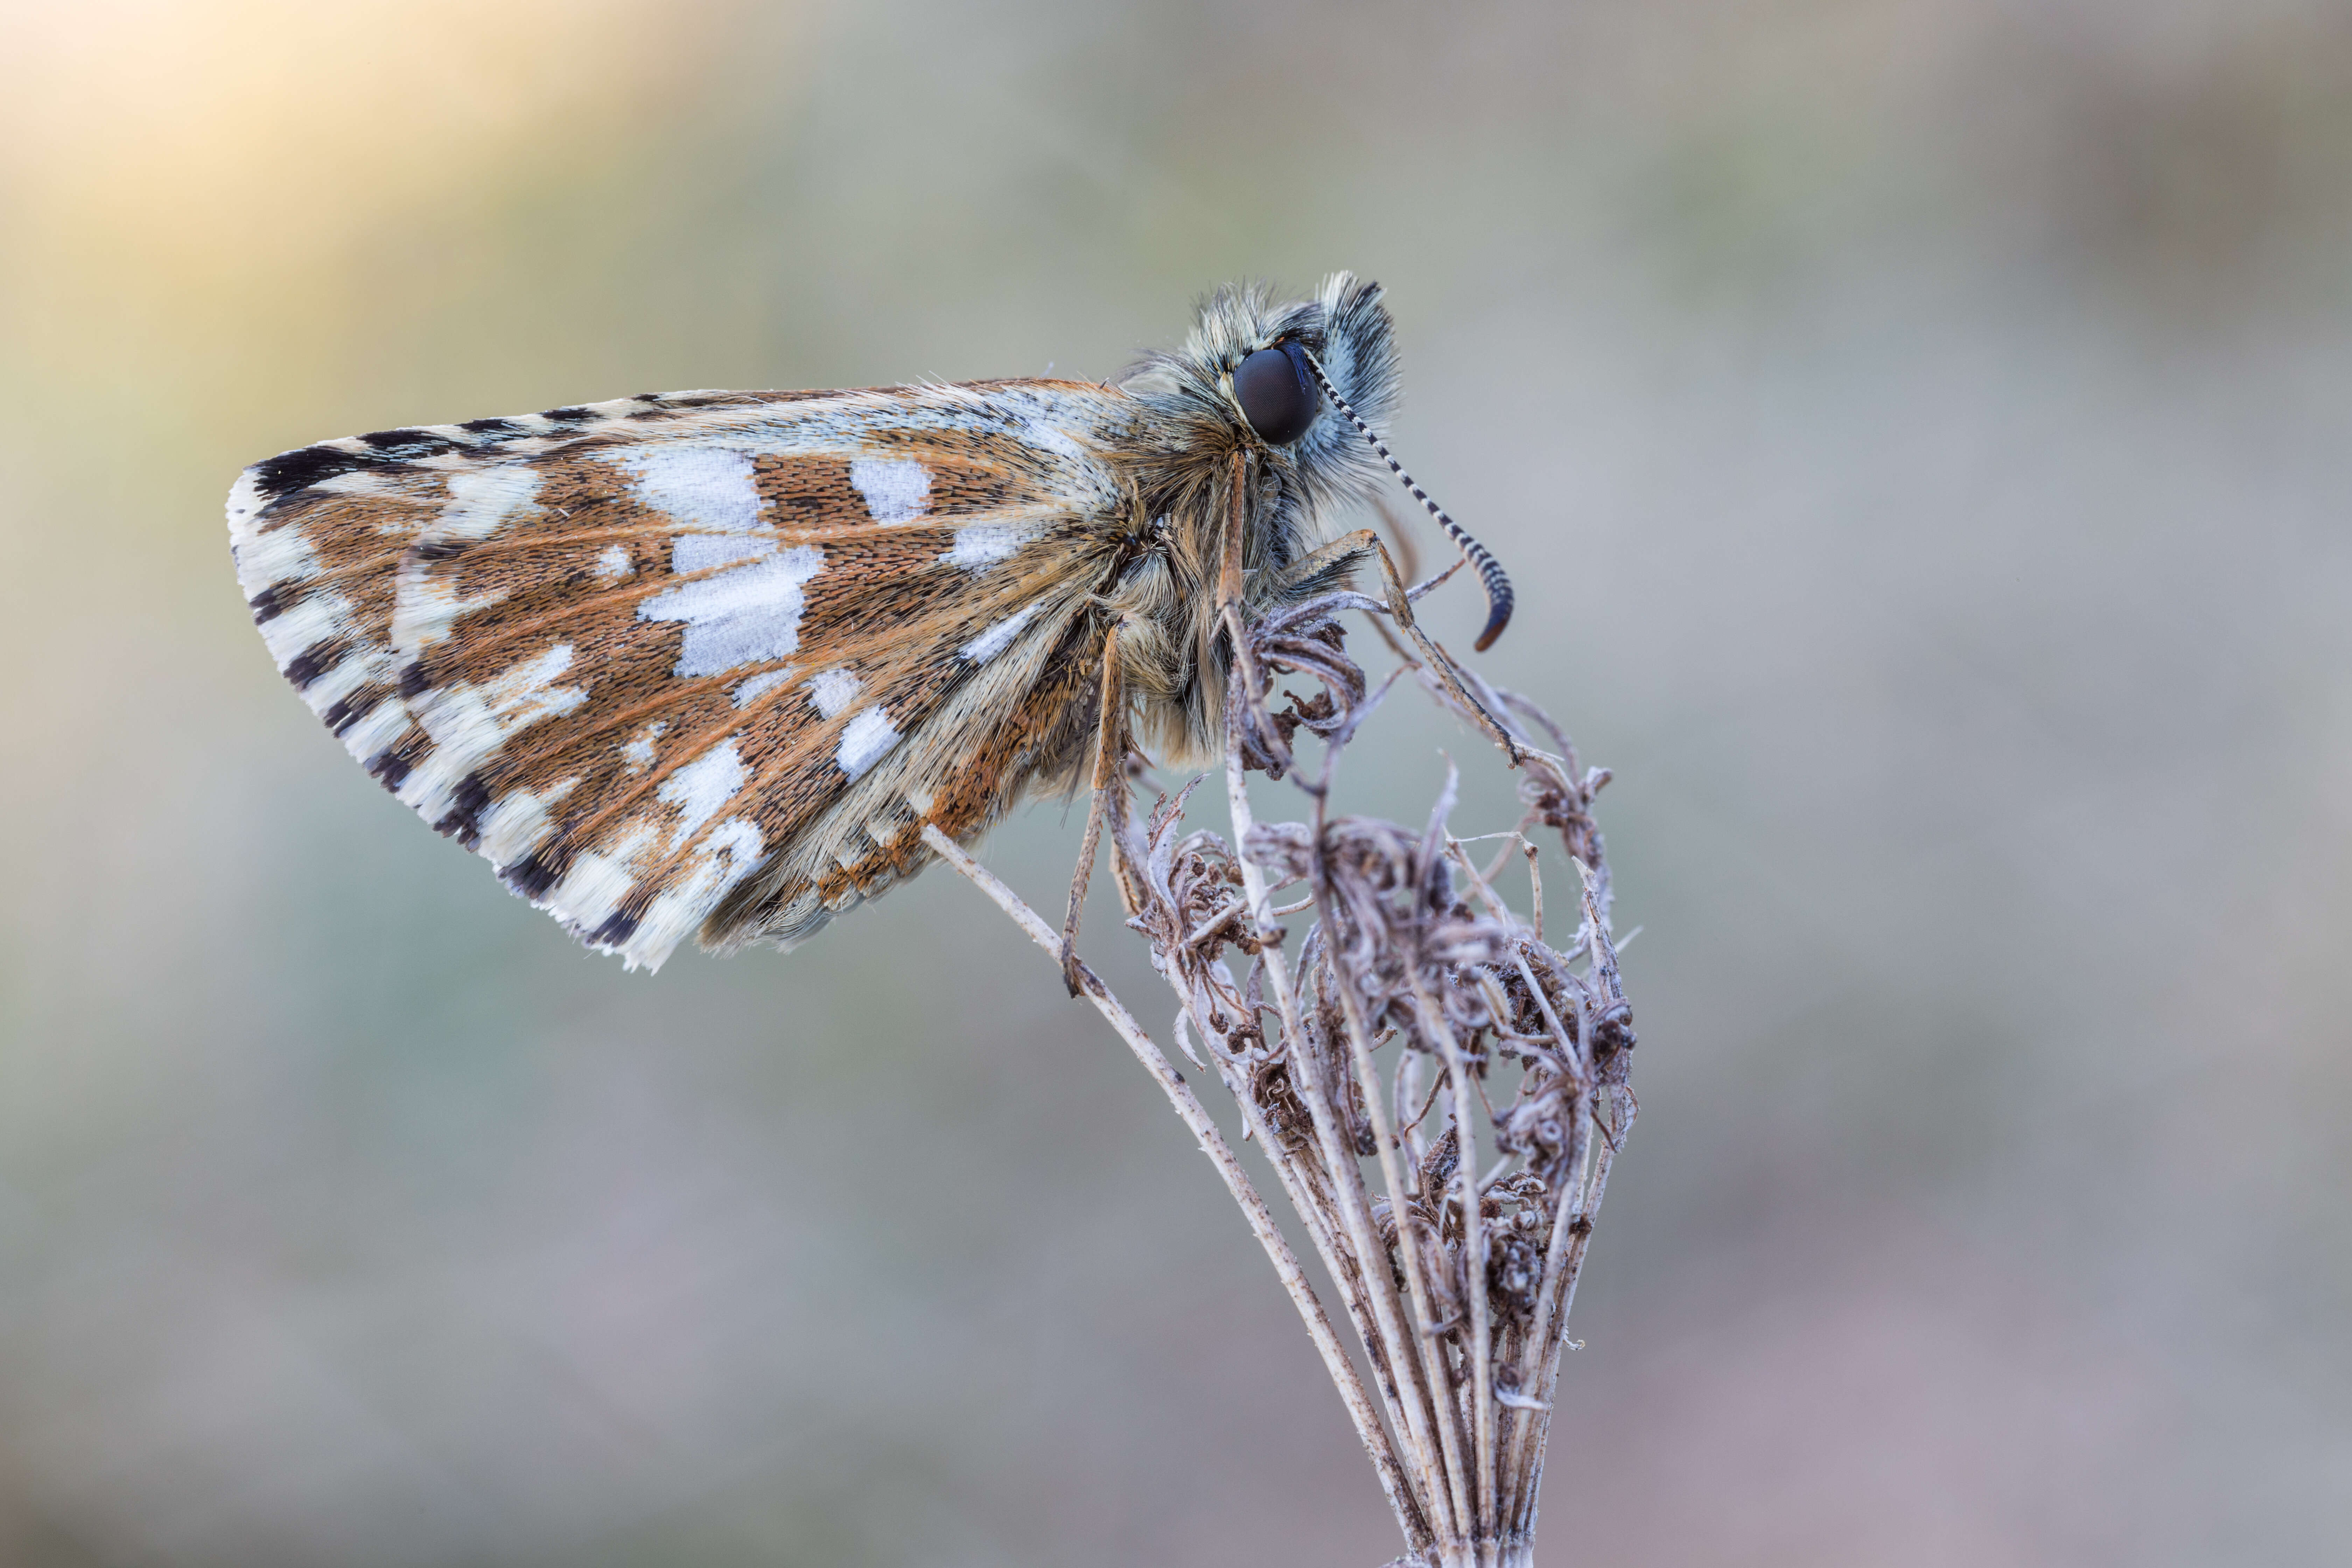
{"x": 703, "y": 664}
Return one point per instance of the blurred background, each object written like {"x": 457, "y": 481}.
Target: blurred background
{"x": 1919, "y": 431}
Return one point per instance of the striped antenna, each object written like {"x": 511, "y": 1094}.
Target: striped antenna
{"x": 1490, "y": 571}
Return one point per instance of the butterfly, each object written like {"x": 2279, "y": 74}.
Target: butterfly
{"x": 706, "y": 663}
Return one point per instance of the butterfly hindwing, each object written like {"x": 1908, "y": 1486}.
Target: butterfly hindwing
{"x": 701, "y": 663}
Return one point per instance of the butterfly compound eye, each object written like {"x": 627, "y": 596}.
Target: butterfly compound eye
{"x": 1276, "y": 396}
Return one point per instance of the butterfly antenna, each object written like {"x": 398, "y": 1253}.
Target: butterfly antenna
{"x": 1490, "y": 571}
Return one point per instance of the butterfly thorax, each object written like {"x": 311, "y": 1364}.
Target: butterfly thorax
{"x": 1181, "y": 466}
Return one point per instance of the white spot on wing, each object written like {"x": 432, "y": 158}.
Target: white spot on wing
{"x": 638, "y": 754}
{"x": 728, "y": 855}
{"x": 349, "y": 673}
{"x": 740, "y": 839}
{"x": 426, "y": 606}
{"x": 700, "y": 486}
{"x": 1051, "y": 438}
{"x": 243, "y": 501}
{"x": 833, "y": 691}
{"x": 481, "y": 499}
{"x": 360, "y": 482}
{"x": 980, "y": 545}
{"x": 702, "y": 551}
{"x": 703, "y": 787}
{"x": 760, "y": 685}
{"x": 598, "y": 880}
{"x": 384, "y": 723}
{"x": 468, "y": 722}
{"x": 998, "y": 637}
{"x": 519, "y": 821}
{"x": 612, "y": 564}
{"x": 896, "y": 488}
{"x": 749, "y": 615}
{"x": 315, "y": 619}
{"x": 864, "y": 739}
{"x": 273, "y": 557}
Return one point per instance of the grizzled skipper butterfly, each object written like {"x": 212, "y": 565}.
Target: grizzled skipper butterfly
{"x": 705, "y": 663}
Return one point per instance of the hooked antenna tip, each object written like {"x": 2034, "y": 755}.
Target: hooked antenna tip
{"x": 1490, "y": 571}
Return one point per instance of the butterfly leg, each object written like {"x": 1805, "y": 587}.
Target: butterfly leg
{"x": 1319, "y": 571}
{"x": 1324, "y": 569}
{"x": 1109, "y": 795}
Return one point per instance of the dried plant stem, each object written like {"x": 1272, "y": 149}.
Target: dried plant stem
{"x": 1457, "y": 1283}
{"x": 1444, "y": 1507}
{"x": 1212, "y": 1143}
{"x": 1569, "y": 1270}
{"x": 1435, "y": 1383}
{"x": 1571, "y": 1218}
{"x": 1466, "y": 1171}
{"x": 1312, "y": 1204}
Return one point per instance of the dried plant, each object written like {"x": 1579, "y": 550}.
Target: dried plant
{"x": 1438, "y": 1091}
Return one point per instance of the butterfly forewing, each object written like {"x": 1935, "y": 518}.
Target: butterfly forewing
{"x": 700, "y": 663}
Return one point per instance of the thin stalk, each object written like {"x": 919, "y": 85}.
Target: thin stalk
{"x": 1604, "y": 1154}
{"x": 1353, "y": 1280}
{"x": 1355, "y": 1213}
{"x": 1212, "y": 1143}
{"x": 1426, "y": 1351}
{"x": 1546, "y": 1332}
{"x": 1339, "y": 1265}
{"x": 1473, "y": 1243}
{"x": 1544, "y": 1336}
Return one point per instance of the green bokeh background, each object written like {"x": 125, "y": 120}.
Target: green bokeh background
{"x": 1919, "y": 431}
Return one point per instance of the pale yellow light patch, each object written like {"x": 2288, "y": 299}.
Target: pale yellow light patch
{"x": 187, "y": 178}
{"x": 194, "y": 126}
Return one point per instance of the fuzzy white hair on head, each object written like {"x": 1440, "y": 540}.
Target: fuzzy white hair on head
{"x": 1347, "y": 328}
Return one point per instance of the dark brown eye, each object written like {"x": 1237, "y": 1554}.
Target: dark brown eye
{"x": 1277, "y": 394}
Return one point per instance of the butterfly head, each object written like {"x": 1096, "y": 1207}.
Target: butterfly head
{"x": 1244, "y": 378}
{"x": 1309, "y": 387}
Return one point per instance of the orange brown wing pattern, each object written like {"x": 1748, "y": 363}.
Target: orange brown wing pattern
{"x": 702, "y": 664}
